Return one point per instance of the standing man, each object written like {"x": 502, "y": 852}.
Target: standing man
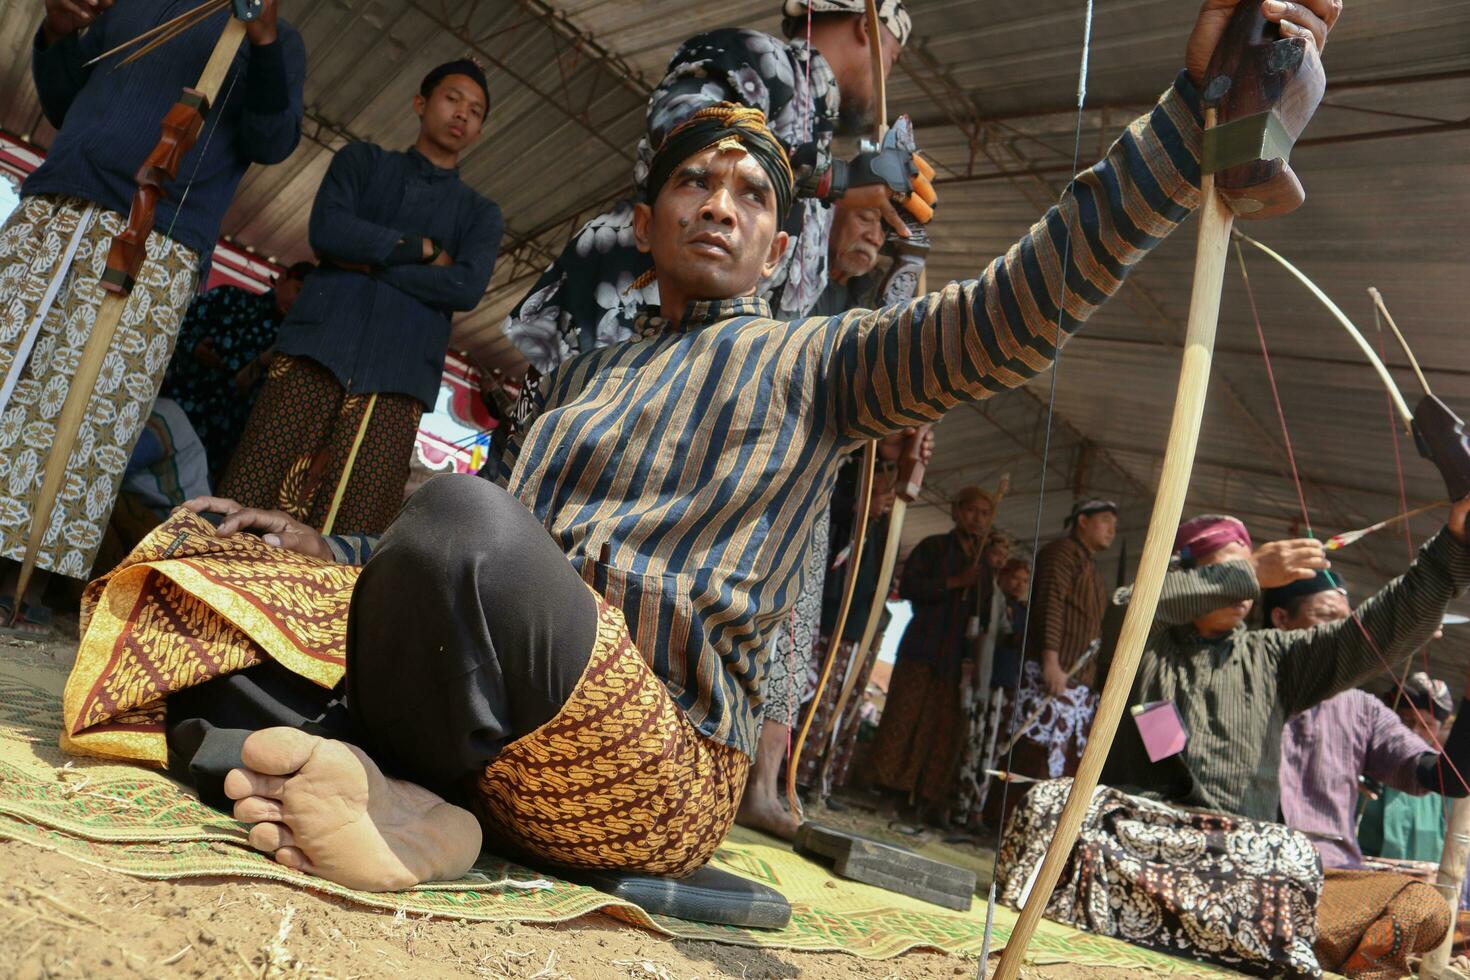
{"x": 853, "y": 279}
{"x": 1065, "y": 618}
{"x": 404, "y": 244}
{"x": 916, "y": 752}
{"x": 225, "y": 345}
{"x": 53, "y": 248}
{"x": 1325, "y": 748}
{"x": 809, "y": 91}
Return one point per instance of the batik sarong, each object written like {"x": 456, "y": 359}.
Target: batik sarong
{"x": 984, "y": 711}
{"x": 921, "y": 734}
{"x": 302, "y": 433}
{"x": 53, "y": 251}
{"x": 1202, "y": 886}
{"x": 832, "y": 756}
{"x": 618, "y": 778}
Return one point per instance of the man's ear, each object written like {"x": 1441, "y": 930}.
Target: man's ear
{"x": 778, "y": 249}
{"x": 643, "y": 227}
{"x": 1279, "y": 618}
{"x": 860, "y": 32}
{"x": 419, "y": 105}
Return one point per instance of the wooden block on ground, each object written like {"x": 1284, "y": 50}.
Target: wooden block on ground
{"x": 884, "y": 865}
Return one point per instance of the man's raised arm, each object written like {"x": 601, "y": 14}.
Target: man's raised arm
{"x": 912, "y": 363}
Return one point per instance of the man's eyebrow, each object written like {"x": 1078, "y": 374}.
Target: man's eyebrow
{"x": 758, "y": 182}
{"x": 692, "y": 171}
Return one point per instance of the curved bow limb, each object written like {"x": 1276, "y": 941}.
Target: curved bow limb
{"x": 1400, "y": 405}
{"x": 181, "y": 127}
{"x": 1262, "y": 88}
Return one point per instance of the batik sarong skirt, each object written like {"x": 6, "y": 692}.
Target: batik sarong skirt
{"x": 53, "y": 251}
{"x": 315, "y": 451}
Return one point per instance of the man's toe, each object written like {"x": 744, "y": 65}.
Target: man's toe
{"x": 258, "y": 809}
{"x": 278, "y": 751}
{"x": 294, "y": 857}
{"x": 272, "y": 837}
{"x": 243, "y": 783}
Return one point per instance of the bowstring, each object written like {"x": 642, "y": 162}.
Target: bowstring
{"x": 1051, "y": 404}
{"x": 1337, "y": 582}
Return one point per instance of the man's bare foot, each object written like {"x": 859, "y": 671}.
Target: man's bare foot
{"x": 325, "y": 808}
{"x": 762, "y": 809}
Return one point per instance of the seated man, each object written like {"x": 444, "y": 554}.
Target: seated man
{"x": 570, "y": 666}
{"x": 1325, "y": 748}
{"x": 1234, "y": 688}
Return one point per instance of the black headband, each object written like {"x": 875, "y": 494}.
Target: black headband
{"x": 716, "y": 125}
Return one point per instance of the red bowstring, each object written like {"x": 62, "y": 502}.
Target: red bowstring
{"x": 1275, "y": 392}
{"x": 1301, "y": 497}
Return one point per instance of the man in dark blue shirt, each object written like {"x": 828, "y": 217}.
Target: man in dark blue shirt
{"x": 53, "y": 249}
{"x": 404, "y": 244}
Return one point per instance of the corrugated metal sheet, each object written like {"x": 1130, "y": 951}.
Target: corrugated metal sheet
{"x": 991, "y": 86}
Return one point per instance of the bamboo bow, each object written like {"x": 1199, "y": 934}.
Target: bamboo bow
{"x": 129, "y": 250}
{"x": 1254, "y": 98}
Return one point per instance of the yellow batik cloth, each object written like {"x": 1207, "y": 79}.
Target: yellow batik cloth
{"x": 183, "y": 608}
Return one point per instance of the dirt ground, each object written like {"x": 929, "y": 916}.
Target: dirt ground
{"x": 63, "y": 919}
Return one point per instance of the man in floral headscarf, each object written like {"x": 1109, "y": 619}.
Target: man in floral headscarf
{"x": 815, "y": 85}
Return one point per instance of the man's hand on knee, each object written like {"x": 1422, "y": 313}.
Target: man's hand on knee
{"x": 276, "y": 528}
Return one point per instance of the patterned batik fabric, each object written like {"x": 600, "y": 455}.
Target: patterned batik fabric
{"x": 1204, "y": 886}
{"x": 619, "y": 778}
{"x": 237, "y": 326}
{"x": 185, "y": 607}
{"x": 984, "y": 711}
{"x": 298, "y": 441}
{"x": 586, "y": 299}
{"x": 786, "y": 677}
{"x": 922, "y": 731}
{"x": 831, "y": 757}
{"x": 37, "y": 365}
{"x": 1369, "y": 923}
{"x": 1059, "y": 736}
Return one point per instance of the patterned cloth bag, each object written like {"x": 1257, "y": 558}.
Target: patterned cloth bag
{"x": 1205, "y": 886}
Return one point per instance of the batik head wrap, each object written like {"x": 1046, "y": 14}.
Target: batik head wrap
{"x": 1203, "y": 536}
{"x": 891, "y": 14}
{"x": 729, "y": 127}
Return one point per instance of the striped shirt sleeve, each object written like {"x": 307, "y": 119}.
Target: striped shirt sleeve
{"x": 911, "y": 363}
{"x": 1320, "y": 662}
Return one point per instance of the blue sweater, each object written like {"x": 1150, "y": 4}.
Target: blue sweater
{"x": 388, "y": 331}
{"x": 109, "y": 119}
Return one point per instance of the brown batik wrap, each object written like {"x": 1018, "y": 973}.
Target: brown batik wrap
{"x": 619, "y": 778}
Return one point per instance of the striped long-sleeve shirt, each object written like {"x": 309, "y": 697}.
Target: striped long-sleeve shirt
{"x": 1067, "y": 604}
{"x": 681, "y": 472}
{"x": 1234, "y": 693}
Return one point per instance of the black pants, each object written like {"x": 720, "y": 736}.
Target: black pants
{"x": 468, "y": 629}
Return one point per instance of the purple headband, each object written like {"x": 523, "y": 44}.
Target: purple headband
{"x": 1203, "y": 536}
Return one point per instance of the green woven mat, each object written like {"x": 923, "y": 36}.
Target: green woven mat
{"x": 139, "y": 822}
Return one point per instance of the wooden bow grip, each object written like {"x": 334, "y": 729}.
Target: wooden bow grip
{"x": 181, "y": 128}
{"x": 1264, "y": 88}
{"x": 910, "y": 476}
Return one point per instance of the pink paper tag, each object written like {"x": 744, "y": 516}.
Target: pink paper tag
{"x": 1161, "y": 728}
